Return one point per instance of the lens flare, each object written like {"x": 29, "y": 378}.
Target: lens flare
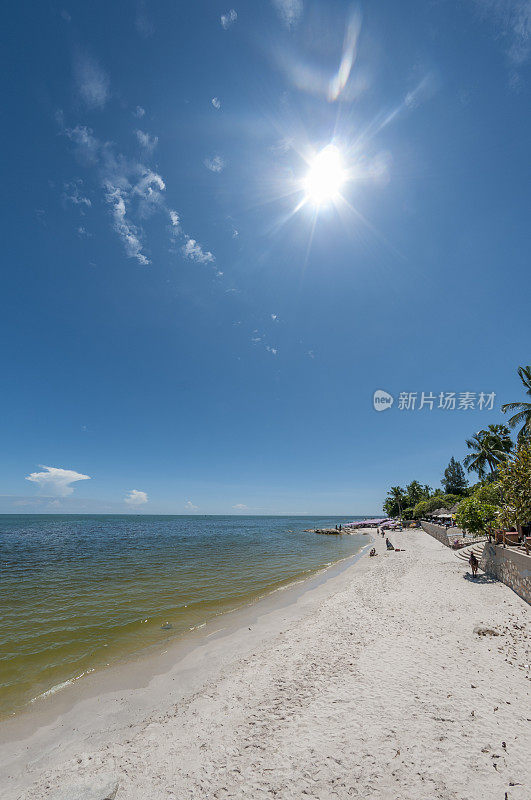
{"x": 326, "y": 176}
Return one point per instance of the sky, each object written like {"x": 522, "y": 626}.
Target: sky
{"x": 226, "y": 227}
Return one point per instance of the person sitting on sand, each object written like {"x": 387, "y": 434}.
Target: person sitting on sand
{"x": 474, "y": 564}
{"x": 373, "y": 552}
{"x": 388, "y": 544}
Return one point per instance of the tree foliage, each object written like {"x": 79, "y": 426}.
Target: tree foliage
{"x": 454, "y": 479}
{"x": 475, "y": 516}
{"x": 489, "y": 492}
{"x": 515, "y": 484}
{"x": 489, "y": 448}
{"x": 523, "y": 409}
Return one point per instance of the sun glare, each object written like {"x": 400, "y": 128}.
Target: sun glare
{"x": 326, "y": 176}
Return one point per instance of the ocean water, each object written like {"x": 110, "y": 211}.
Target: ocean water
{"x": 78, "y": 593}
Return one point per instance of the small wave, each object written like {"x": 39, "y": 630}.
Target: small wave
{"x": 59, "y": 686}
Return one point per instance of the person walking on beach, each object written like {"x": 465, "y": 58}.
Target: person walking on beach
{"x": 474, "y": 564}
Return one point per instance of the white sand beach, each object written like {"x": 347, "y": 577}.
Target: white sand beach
{"x": 372, "y": 683}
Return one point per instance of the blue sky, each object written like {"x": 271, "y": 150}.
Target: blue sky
{"x": 184, "y": 328}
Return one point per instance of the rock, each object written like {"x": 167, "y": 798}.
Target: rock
{"x": 99, "y": 787}
{"x": 480, "y": 630}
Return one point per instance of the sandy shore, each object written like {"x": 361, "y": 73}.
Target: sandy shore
{"x": 372, "y": 683}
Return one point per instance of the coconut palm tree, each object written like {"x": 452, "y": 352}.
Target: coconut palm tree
{"x": 489, "y": 448}
{"x": 398, "y": 495}
{"x": 523, "y": 416}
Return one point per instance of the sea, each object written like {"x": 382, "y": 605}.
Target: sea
{"x": 79, "y": 592}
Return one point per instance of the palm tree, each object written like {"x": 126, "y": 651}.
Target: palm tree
{"x": 524, "y": 409}
{"x": 398, "y": 495}
{"x": 489, "y": 448}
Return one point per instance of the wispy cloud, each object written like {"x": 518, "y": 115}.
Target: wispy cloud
{"x": 143, "y": 24}
{"x": 216, "y": 102}
{"x": 135, "y": 497}
{"x": 148, "y": 142}
{"x": 193, "y": 250}
{"x": 274, "y": 316}
{"x": 72, "y": 193}
{"x": 83, "y": 233}
{"x": 289, "y": 11}
{"x": 56, "y": 481}
{"x": 139, "y": 112}
{"x": 513, "y": 21}
{"x": 126, "y": 230}
{"x": 272, "y": 350}
{"x": 241, "y": 507}
{"x": 215, "y": 164}
{"x": 227, "y": 20}
{"x": 86, "y": 143}
{"x": 189, "y": 506}
{"x": 92, "y": 81}
{"x": 133, "y": 192}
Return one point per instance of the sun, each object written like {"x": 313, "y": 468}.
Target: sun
{"x": 325, "y": 177}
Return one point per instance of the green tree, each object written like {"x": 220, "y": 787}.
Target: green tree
{"x": 398, "y": 495}
{"x": 523, "y": 415}
{"x": 474, "y": 516}
{"x": 415, "y": 493}
{"x": 488, "y": 493}
{"x": 489, "y": 449}
{"x": 427, "y": 507}
{"x": 515, "y": 483}
{"x": 454, "y": 480}
{"x": 408, "y": 513}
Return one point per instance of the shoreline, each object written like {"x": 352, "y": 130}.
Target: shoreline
{"x": 193, "y": 584}
{"x": 55, "y": 716}
{"x": 367, "y": 680}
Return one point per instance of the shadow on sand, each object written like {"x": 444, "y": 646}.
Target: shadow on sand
{"x": 480, "y": 578}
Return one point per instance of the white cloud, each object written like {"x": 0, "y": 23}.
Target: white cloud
{"x": 127, "y": 232}
{"x": 216, "y": 102}
{"x": 139, "y": 112}
{"x": 192, "y": 250}
{"x": 133, "y": 193}
{"x": 216, "y": 164}
{"x": 83, "y": 137}
{"x": 272, "y": 350}
{"x": 91, "y": 80}
{"x": 289, "y": 11}
{"x": 147, "y": 141}
{"x": 227, "y": 20}
{"x": 174, "y": 219}
{"x": 56, "y": 481}
{"x": 189, "y": 506}
{"x": 72, "y": 194}
{"x": 83, "y": 232}
{"x": 135, "y": 497}
{"x": 274, "y": 316}
{"x": 241, "y": 507}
